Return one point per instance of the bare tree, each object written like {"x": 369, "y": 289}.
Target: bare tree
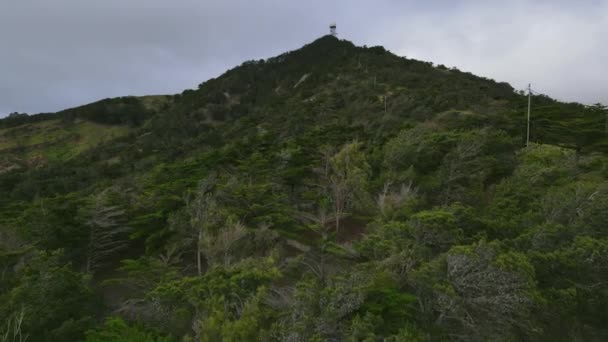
{"x": 320, "y": 224}
{"x": 203, "y": 214}
{"x": 344, "y": 176}
{"x": 13, "y": 330}
{"x": 219, "y": 247}
{"x": 387, "y": 200}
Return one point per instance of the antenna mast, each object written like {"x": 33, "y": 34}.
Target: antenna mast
{"x": 332, "y": 29}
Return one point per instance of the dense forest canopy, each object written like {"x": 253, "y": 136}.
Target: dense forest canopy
{"x": 332, "y": 193}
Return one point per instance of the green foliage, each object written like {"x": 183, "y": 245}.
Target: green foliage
{"x": 12, "y": 331}
{"x": 420, "y": 148}
{"x": 572, "y": 126}
{"x": 435, "y": 229}
{"x": 116, "y": 329}
{"x": 124, "y": 110}
{"x": 330, "y": 193}
{"x": 223, "y": 295}
{"x": 385, "y": 300}
{"x": 55, "y": 301}
{"x": 479, "y": 158}
{"x": 108, "y": 233}
{"x": 477, "y": 292}
{"x": 345, "y": 177}
{"x": 145, "y": 273}
{"x": 253, "y": 323}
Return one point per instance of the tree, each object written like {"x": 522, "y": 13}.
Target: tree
{"x": 459, "y": 165}
{"x": 479, "y": 293}
{"x": 420, "y": 148}
{"x": 218, "y": 298}
{"x": 108, "y": 230}
{"x": 600, "y": 109}
{"x": 219, "y": 246}
{"x": 392, "y": 203}
{"x": 568, "y": 203}
{"x": 12, "y": 331}
{"x": 320, "y": 224}
{"x": 572, "y": 126}
{"x": 436, "y": 230}
{"x": 52, "y": 301}
{"x": 479, "y": 157}
{"x": 346, "y": 174}
{"x": 12, "y": 252}
{"x": 115, "y": 329}
{"x": 203, "y": 215}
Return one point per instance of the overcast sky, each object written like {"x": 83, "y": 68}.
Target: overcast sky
{"x": 56, "y": 54}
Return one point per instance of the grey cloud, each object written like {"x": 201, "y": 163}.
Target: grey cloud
{"x": 56, "y": 54}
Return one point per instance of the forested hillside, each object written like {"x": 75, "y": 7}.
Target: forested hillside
{"x": 332, "y": 193}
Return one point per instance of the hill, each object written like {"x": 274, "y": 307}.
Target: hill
{"x": 33, "y": 141}
{"x": 330, "y": 193}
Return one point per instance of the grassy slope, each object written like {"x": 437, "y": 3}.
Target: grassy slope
{"x": 53, "y": 140}
{"x": 39, "y": 139}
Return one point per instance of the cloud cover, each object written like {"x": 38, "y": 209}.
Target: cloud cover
{"x": 56, "y": 54}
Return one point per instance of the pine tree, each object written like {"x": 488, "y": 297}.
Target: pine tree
{"x": 108, "y": 230}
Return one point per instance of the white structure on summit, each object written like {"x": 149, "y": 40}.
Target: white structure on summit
{"x": 332, "y": 29}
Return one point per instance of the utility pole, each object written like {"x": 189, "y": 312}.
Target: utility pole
{"x": 605, "y": 109}
{"x": 529, "y": 104}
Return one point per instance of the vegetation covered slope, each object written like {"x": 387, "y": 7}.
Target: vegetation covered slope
{"x": 330, "y": 193}
{"x": 34, "y": 141}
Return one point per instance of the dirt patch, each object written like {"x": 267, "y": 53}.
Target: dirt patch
{"x": 351, "y": 229}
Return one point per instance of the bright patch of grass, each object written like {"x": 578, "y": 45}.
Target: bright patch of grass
{"x": 56, "y": 140}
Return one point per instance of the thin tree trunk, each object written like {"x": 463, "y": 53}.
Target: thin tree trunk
{"x": 322, "y": 270}
{"x": 89, "y": 262}
{"x": 577, "y": 156}
{"x": 198, "y": 253}
{"x": 338, "y": 214}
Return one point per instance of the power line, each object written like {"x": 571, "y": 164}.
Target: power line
{"x": 537, "y": 93}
